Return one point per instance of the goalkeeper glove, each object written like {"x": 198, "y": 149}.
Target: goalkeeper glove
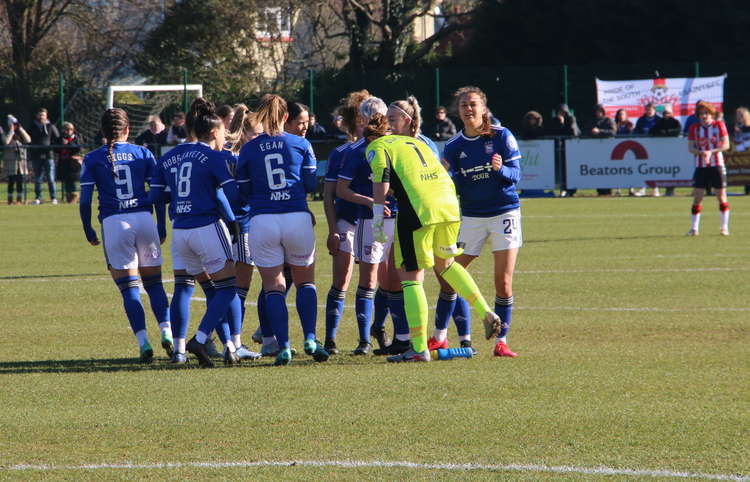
{"x": 377, "y": 223}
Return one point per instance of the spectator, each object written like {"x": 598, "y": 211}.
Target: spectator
{"x": 623, "y": 126}
{"x": 667, "y": 126}
{"x": 316, "y": 131}
{"x": 601, "y": 126}
{"x": 225, "y": 112}
{"x": 339, "y": 131}
{"x": 532, "y": 125}
{"x": 15, "y": 163}
{"x": 69, "y": 162}
{"x": 177, "y": 133}
{"x": 43, "y": 133}
{"x": 444, "y": 128}
{"x": 692, "y": 118}
{"x": 741, "y": 133}
{"x": 154, "y": 137}
{"x": 564, "y": 124}
{"x": 647, "y": 121}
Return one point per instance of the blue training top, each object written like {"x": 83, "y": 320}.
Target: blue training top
{"x": 193, "y": 173}
{"x": 344, "y": 209}
{"x": 122, "y": 189}
{"x": 275, "y": 173}
{"x": 484, "y": 192}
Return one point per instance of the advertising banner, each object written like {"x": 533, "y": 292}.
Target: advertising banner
{"x": 681, "y": 93}
{"x": 631, "y": 162}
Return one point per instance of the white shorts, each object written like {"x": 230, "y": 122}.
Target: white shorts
{"x": 346, "y": 235}
{"x": 503, "y": 230}
{"x": 130, "y": 240}
{"x": 366, "y": 249}
{"x": 241, "y": 249}
{"x": 206, "y": 248}
{"x": 276, "y": 239}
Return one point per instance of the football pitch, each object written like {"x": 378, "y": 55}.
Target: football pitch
{"x": 634, "y": 363}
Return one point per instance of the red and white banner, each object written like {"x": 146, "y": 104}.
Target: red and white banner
{"x": 630, "y": 162}
{"x": 681, "y": 94}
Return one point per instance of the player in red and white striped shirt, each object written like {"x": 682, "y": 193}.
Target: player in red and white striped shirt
{"x": 707, "y": 140}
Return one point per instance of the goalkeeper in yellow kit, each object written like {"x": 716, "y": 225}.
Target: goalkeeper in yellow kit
{"x": 426, "y": 227}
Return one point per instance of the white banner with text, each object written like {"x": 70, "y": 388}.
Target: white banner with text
{"x": 618, "y": 162}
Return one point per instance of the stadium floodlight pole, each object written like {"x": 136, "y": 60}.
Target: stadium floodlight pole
{"x": 61, "y": 87}
{"x": 697, "y": 68}
{"x": 150, "y": 88}
{"x": 185, "y": 103}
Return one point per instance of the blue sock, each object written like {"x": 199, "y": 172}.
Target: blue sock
{"x": 265, "y": 325}
{"x": 381, "y": 309}
{"x": 234, "y": 316}
{"x": 159, "y": 304}
{"x": 446, "y": 303}
{"x": 131, "y": 300}
{"x": 242, "y": 294}
{"x": 222, "y": 330}
{"x": 504, "y": 309}
{"x": 179, "y": 309}
{"x": 307, "y": 308}
{"x": 334, "y": 311}
{"x": 279, "y": 316}
{"x": 398, "y": 314}
{"x": 224, "y": 294}
{"x": 208, "y": 290}
{"x": 363, "y": 308}
{"x": 462, "y": 317}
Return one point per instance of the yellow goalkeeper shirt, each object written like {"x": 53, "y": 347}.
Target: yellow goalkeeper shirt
{"x": 420, "y": 183}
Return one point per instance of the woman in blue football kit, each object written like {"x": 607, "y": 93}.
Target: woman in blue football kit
{"x": 201, "y": 240}
{"x": 275, "y": 172}
{"x": 341, "y": 216}
{"x": 484, "y": 161}
{"x": 355, "y": 185}
{"x": 131, "y": 240}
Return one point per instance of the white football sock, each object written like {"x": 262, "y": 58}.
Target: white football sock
{"x": 142, "y": 337}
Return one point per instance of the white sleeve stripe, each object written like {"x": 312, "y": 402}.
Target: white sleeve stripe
{"x": 344, "y": 177}
{"x": 309, "y": 167}
{"x": 87, "y": 183}
{"x": 514, "y": 158}
{"x": 243, "y": 181}
{"x": 328, "y": 179}
{"x": 157, "y": 185}
{"x": 225, "y": 182}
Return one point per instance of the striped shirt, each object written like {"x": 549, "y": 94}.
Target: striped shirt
{"x": 706, "y": 138}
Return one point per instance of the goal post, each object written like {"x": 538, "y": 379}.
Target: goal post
{"x": 150, "y": 88}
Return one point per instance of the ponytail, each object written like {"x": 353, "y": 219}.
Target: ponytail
{"x": 376, "y": 127}
{"x": 410, "y": 108}
{"x": 203, "y": 118}
{"x": 271, "y": 111}
{"x": 114, "y": 123}
{"x": 244, "y": 121}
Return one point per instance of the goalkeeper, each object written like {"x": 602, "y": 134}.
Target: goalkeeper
{"x": 426, "y": 228}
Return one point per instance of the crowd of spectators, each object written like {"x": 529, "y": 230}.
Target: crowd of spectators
{"x": 32, "y": 150}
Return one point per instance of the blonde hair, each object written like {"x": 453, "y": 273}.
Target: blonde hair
{"x": 270, "y": 113}
{"x": 243, "y": 122}
{"x": 411, "y": 109}
{"x": 744, "y": 114}
{"x": 485, "y": 130}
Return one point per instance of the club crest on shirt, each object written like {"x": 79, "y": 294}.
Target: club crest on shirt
{"x": 511, "y": 143}
{"x": 489, "y": 148}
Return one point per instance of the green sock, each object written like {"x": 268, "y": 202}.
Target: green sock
{"x": 461, "y": 281}
{"x": 415, "y": 303}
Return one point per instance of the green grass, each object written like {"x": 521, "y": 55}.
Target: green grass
{"x": 634, "y": 354}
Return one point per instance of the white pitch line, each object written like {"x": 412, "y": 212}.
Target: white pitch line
{"x": 349, "y": 464}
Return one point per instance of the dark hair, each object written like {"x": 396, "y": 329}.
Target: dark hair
{"x": 224, "y": 110}
{"x": 204, "y": 118}
{"x": 41, "y": 109}
{"x": 178, "y": 115}
{"x": 485, "y": 130}
{"x": 442, "y": 108}
{"x": 114, "y": 123}
{"x": 295, "y": 108}
{"x": 349, "y": 109}
{"x": 376, "y": 127}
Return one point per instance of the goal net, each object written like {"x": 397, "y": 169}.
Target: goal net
{"x": 85, "y": 107}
